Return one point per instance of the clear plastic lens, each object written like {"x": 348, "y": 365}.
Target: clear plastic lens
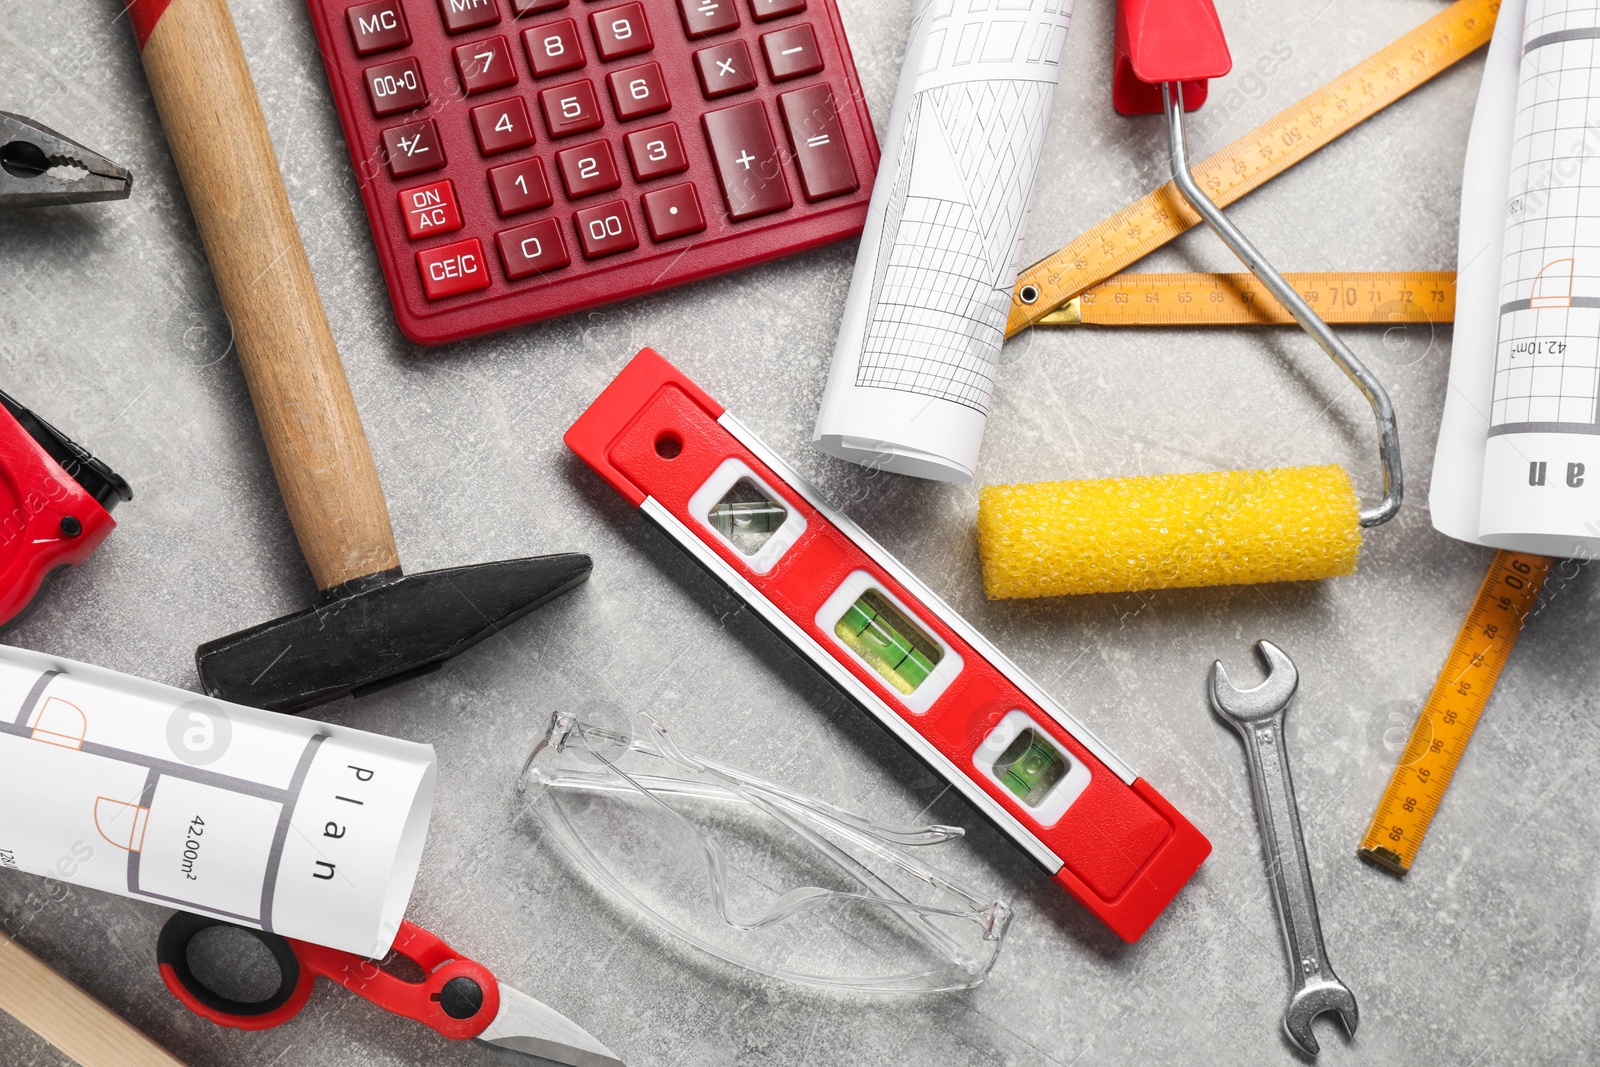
{"x": 754, "y": 873}
{"x": 747, "y": 517}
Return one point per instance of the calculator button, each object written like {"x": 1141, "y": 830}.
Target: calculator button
{"x": 463, "y": 15}
{"x": 570, "y": 109}
{"x": 588, "y": 169}
{"x": 395, "y": 86}
{"x": 791, "y": 52}
{"x": 605, "y": 230}
{"x": 453, "y": 269}
{"x": 532, "y": 249}
{"x": 502, "y": 126}
{"x": 430, "y": 209}
{"x": 775, "y": 9}
{"x": 378, "y": 27}
{"x": 812, "y": 120}
{"x": 621, "y": 31}
{"x": 520, "y": 8}
{"x": 412, "y": 148}
{"x": 638, "y": 91}
{"x": 724, "y": 69}
{"x": 702, "y": 18}
{"x": 673, "y": 212}
{"x": 553, "y": 47}
{"x": 519, "y": 187}
{"x": 656, "y": 152}
{"x": 747, "y": 160}
{"x": 485, "y": 65}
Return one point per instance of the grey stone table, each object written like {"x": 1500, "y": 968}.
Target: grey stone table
{"x": 110, "y": 327}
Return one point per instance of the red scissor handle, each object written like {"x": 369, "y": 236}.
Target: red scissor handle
{"x": 456, "y": 996}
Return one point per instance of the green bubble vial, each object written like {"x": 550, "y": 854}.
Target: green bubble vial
{"x": 889, "y": 642}
{"x": 1031, "y": 766}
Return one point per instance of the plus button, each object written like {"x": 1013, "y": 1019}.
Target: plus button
{"x": 745, "y": 159}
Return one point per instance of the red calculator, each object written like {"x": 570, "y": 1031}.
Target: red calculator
{"x": 522, "y": 159}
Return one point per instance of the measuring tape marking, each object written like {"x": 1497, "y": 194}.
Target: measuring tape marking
{"x": 1254, "y": 159}
{"x": 1202, "y": 299}
{"x": 1439, "y": 739}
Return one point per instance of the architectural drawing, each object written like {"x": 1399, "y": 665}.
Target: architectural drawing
{"x": 913, "y": 371}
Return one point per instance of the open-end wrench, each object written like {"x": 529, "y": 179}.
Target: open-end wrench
{"x": 1258, "y": 716}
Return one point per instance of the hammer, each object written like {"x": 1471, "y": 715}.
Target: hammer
{"x": 373, "y": 626}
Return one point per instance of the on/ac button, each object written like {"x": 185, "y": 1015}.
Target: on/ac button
{"x": 453, "y": 269}
{"x": 430, "y": 209}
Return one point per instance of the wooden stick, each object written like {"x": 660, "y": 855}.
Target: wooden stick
{"x": 219, "y": 140}
{"x": 67, "y": 1017}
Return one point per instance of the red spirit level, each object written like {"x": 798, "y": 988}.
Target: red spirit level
{"x": 885, "y": 639}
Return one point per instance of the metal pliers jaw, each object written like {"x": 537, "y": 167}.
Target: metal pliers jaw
{"x": 39, "y": 167}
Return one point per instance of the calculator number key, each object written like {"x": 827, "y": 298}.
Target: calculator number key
{"x": 485, "y": 65}
{"x": 503, "y": 126}
{"x": 702, "y": 18}
{"x": 570, "y": 109}
{"x": 621, "y": 31}
{"x": 656, "y": 152}
{"x": 519, "y": 187}
{"x": 395, "y": 87}
{"x": 532, "y": 249}
{"x": 412, "y": 148}
{"x": 378, "y": 27}
{"x": 725, "y": 69}
{"x": 605, "y": 230}
{"x": 588, "y": 169}
{"x": 638, "y": 91}
{"x": 747, "y": 160}
{"x": 430, "y": 209}
{"x": 792, "y": 52}
{"x": 812, "y": 119}
{"x": 453, "y": 269}
{"x": 673, "y": 212}
{"x": 463, "y": 15}
{"x": 765, "y": 10}
{"x": 553, "y": 47}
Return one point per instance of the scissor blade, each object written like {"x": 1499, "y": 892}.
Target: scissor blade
{"x": 535, "y": 1029}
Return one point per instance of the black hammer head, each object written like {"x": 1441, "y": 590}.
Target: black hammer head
{"x": 381, "y": 634}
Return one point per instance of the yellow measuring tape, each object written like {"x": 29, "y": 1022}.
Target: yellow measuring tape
{"x": 1341, "y": 297}
{"x": 1440, "y": 736}
{"x": 1252, "y": 160}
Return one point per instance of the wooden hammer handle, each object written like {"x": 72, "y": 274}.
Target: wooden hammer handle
{"x": 68, "y": 1018}
{"x": 219, "y": 140}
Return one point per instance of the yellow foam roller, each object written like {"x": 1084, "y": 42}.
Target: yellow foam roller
{"x": 1114, "y": 535}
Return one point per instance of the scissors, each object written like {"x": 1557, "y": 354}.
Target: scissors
{"x": 40, "y": 167}
{"x": 458, "y": 997}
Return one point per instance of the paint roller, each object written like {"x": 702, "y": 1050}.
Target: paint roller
{"x": 1177, "y": 530}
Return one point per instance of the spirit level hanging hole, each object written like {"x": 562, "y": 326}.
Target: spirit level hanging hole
{"x": 668, "y": 445}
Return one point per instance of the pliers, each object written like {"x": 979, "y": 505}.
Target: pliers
{"x": 39, "y": 167}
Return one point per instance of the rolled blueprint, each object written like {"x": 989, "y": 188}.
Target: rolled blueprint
{"x": 307, "y": 829}
{"x": 1518, "y": 463}
{"x": 913, "y": 369}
